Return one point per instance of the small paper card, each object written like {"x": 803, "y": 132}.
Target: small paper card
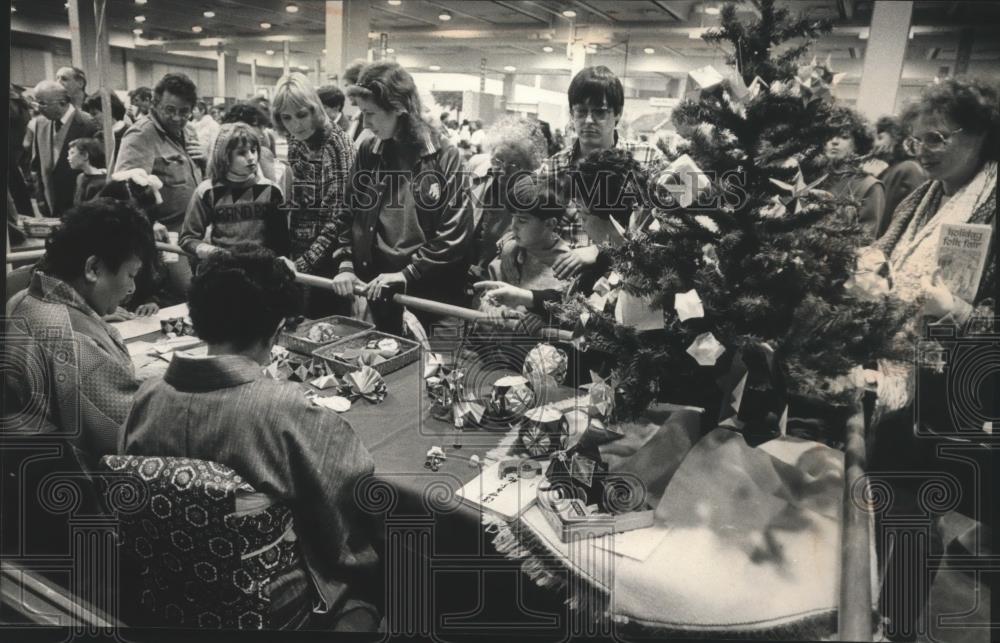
{"x": 507, "y": 497}
{"x": 961, "y": 257}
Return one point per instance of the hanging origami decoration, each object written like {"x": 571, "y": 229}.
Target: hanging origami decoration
{"x": 365, "y": 383}
{"x": 702, "y": 79}
{"x": 818, "y": 79}
{"x": 798, "y": 190}
{"x": 688, "y": 305}
{"x": 683, "y": 180}
{"x": 706, "y": 349}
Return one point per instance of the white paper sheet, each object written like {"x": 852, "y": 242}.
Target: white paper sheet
{"x": 145, "y": 325}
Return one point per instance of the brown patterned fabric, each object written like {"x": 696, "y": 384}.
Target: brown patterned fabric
{"x": 202, "y": 563}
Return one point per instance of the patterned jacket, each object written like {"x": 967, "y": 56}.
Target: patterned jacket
{"x": 319, "y": 182}
{"x": 75, "y": 370}
{"x": 224, "y": 409}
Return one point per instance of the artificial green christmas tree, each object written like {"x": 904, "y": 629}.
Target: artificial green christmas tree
{"x": 750, "y": 273}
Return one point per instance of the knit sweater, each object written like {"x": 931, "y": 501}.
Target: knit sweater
{"x": 237, "y": 212}
{"x": 320, "y": 168}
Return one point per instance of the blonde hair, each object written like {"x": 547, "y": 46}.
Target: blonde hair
{"x": 293, "y": 92}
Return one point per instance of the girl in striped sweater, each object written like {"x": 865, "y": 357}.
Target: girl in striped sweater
{"x": 236, "y": 203}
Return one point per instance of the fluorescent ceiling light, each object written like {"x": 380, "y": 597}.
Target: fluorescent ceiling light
{"x": 140, "y": 19}
{"x": 265, "y": 25}
{"x": 649, "y": 50}
{"x": 197, "y": 29}
{"x": 395, "y": 3}
{"x": 209, "y": 14}
{"x": 510, "y": 68}
{"x": 547, "y": 49}
{"x": 435, "y": 68}
{"x": 390, "y": 50}
{"x": 269, "y": 52}
{"x": 444, "y": 16}
{"x": 569, "y": 13}
{"x": 291, "y": 7}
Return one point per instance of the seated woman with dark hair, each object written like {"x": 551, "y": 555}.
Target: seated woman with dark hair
{"x": 222, "y": 408}
{"x": 77, "y": 378}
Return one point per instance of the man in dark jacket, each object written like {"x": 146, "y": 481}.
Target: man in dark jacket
{"x": 62, "y": 123}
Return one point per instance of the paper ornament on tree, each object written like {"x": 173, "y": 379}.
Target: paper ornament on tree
{"x": 705, "y": 349}
{"x": 688, "y": 305}
{"x": 638, "y": 312}
{"x": 870, "y": 280}
{"x": 702, "y": 79}
{"x": 683, "y": 180}
{"x": 797, "y": 191}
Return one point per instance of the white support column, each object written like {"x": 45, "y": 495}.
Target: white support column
{"x": 227, "y": 83}
{"x": 347, "y": 26}
{"x": 884, "y": 55}
{"x": 83, "y": 36}
{"x": 253, "y": 76}
{"x": 131, "y": 77}
{"x": 286, "y": 55}
{"x": 578, "y": 57}
{"x": 49, "y": 64}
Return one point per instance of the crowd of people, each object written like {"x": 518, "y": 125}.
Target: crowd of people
{"x": 380, "y": 197}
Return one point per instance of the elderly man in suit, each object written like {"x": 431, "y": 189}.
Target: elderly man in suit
{"x": 61, "y": 124}
{"x": 75, "y": 81}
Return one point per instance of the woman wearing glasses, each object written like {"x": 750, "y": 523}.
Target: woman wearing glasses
{"x": 403, "y": 227}
{"x": 956, "y": 138}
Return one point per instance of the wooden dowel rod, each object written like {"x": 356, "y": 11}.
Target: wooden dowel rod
{"x": 855, "y": 614}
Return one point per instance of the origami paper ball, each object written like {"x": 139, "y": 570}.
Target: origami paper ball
{"x": 688, "y": 305}
{"x": 705, "y": 349}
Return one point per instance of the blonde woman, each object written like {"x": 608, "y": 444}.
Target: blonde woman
{"x": 320, "y": 155}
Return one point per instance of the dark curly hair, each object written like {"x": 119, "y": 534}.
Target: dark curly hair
{"x": 898, "y": 130}
{"x": 246, "y": 112}
{"x": 240, "y": 295}
{"x": 849, "y": 123}
{"x": 970, "y": 103}
{"x": 177, "y": 84}
{"x": 113, "y": 231}
{"x": 610, "y": 183}
{"x": 94, "y": 105}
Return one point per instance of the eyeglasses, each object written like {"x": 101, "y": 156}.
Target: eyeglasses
{"x": 598, "y": 113}
{"x": 931, "y": 141}
{"x": 173, "y": 112}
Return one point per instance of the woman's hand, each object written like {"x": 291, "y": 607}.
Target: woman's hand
{"x": 380, "y": 287}
{"x": 147, "y": 310}
{"x": 568, "y": 265}
{"x": 160, "y": 232}
{"x": 499, "y": 293}
{"x": 345, "y": 283}
{"x": 939, "y": 300}
{"x": 119, "y": 315}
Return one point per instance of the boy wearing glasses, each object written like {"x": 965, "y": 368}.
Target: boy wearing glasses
{"x": 596, "y": 101}
{"x": 159, "y": 145}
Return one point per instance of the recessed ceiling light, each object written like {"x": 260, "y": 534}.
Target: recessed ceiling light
{"x": 547, "y": 49}
{"x": 291, "y": 7}
{"x": 137, "y": 32}
{"x": 390, "y": 50}
{"x": 265, "y": 25}
{"x": 269, "y": 52}
{"x": 197, "y": 29}
{"x": 510, "y": 68}
{"x": 303, "y": 67}
{"x": 140, "y": 19}
{"x": 209, "y": 14}
{"x": 444, "y": 16}
{"x": 324, "y": 52}
{"x": 712, "y": 10}
{"x": 649, "y": 50}
{"x": 13, "y": 9}
{"x": 140, "y": 1}
{"x": 395, "y": 3}
{"x": 569, "y": 13}
{"x": 435, "y": 68}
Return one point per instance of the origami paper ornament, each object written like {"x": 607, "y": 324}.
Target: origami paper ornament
{"x": 365, "y": 383}
{"x": 370, "y": 357}
{"x": 433, "y": 363}
{"x": 547, "y": 363}
{"x": 543, "y": 431}
{"x": 601, "y": 396}
{"x": 638, "y": 312}
{"x": 705, "y": 349}
{"x": 688, "y": 305}
{"x": 654, "y": 226}
{"x": 273, "y": 371}
{"x": 467, "y": 413}
{"x": 754, "y": 399}
{"x": 683, "y": 180}
{"x": 512, "y": 396}
{"x": 322, "y": 333}
{"x": 711, "y": 257}
{"x": 871, "y": 279}
{"x": 799, "y": 190}
{"x": 324, "y": 382}
{"x": 179, "y": 326}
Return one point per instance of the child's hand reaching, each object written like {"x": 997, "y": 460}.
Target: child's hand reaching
{"x": 499, "y": 293}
